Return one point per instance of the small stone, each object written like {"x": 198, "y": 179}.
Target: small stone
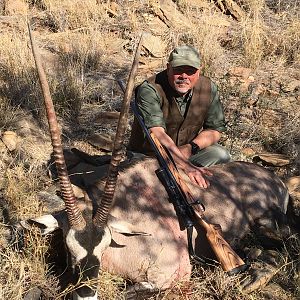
{"x": 293, "y": 183}
{"x": 254, "y": 253}
{"x": 10, "y": 139}
{"x": 78, "y": 192}
{"x": 33, "y": 294}
{"x": 107, "y": 117}
{"x": 248, "y": 152}
{"x": 102, "y": 141}
{"x": 290, "y": 86}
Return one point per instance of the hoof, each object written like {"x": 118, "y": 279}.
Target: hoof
{"x": 257, "y": 279}
{"x": 140, "y": 290}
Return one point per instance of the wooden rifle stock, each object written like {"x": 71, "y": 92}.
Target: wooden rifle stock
{"x": 226, "y": 256}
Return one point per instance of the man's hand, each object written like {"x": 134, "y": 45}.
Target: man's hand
{"x": 197, "y": 175}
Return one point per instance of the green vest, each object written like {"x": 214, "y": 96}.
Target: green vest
{"x": 182, "y": 129}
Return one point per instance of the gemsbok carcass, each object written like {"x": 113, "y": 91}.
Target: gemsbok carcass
{"x": 130, "y": 228}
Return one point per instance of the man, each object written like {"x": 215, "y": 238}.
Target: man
{"x": 183, "y": 110}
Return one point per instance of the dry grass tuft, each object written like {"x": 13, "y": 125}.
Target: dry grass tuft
{"x": 70, "y": 15}
{"x": 290, "y": 41}
{"x": 7, "y": 120}
{"x": 21, "y": 191}
{"x": 253, "y": 32}
{"x": 22, "y": 271}
{"x": 18, "y": 76}
{"x": 108, "y": 287}
{"x": 208, "y": 283}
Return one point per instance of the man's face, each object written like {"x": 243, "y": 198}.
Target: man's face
{"x": 182, "y": 78}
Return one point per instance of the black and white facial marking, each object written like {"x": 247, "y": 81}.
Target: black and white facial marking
{"x": 86, "y": 248}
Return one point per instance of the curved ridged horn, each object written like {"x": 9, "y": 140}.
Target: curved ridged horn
{"x": 100, "y": 217}
{"x": 75, "y": 217}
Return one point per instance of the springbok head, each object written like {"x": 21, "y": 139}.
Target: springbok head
{"x": 86, "y": 231}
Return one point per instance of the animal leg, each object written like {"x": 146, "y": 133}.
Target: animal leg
{"x": 257, "y": 279}
{"x": 261, "y": 271}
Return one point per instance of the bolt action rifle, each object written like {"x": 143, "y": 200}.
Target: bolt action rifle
{"x": 189, "y": 210}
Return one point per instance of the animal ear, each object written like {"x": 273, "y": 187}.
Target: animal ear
{"x": 123, "y": 227}
{"x": 46, "y": 223}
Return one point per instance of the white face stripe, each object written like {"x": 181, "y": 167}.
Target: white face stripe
{"x": 105, "y": 242}
{"x": 77, "y": 297}
{"x": 77, "y": 251}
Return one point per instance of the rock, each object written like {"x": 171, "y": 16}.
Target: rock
{"x": 293, "y": 184}
{"x": 78, "y": 192}
{"x": 272, "y": 92}
{"x": 235, "y": 10}
{"x": 103, "y": 142}
{"x": 246, "y": 83}
{"x": 169, "y": 13}
{"x": 154, "y": 45}
{"x": 290, "y": 86}
{"x": 107, "y": 117}
{"x": 254, "y": 253}
{"x": 28, "y": 126}
{"x": 51, "y": 202}
{"x": 114, "y": 44}
{"x": 10, "y": 139}
{"x": 272, "y": 159}
{"x": 33, "y": 294}
{"x": 18, "y": 7}
{"x": 96, "y": 160}
{"x": 248, "y": 152}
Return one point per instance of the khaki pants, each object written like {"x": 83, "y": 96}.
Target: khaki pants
{"x": 212, "y": 155}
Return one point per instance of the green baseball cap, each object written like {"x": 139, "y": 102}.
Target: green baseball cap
{"x": 185, "y": 56}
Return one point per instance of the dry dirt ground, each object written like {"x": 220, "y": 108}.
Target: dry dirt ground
{"x": 249, "y": 48}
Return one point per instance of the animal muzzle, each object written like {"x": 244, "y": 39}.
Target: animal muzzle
{"x": 87, "y": 294}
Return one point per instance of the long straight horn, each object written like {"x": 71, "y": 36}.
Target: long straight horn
{"x": 75, "y": 217}
{"x": 106, "y": 201}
